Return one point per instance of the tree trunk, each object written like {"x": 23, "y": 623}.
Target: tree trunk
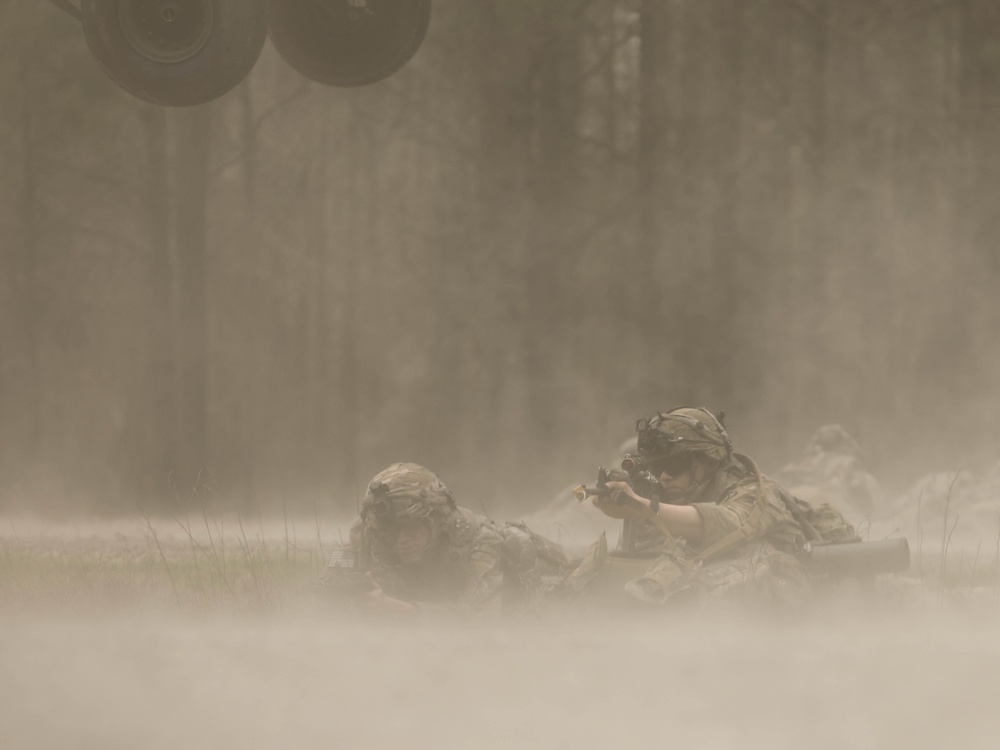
{"x": 153, "y": 408}
{"x": 553, "y": 163}
{"x": 647, "y": 309}
{"x": 191, "y": 308}
{"x": 27, "y": 300}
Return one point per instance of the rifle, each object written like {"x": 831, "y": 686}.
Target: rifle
{"x": 636, "y": 473}
{"x": 637, "y": 539}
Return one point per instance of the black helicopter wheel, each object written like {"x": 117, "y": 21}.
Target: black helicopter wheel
{"x": 348, "y": 42}
{"x": 176, "y": 52}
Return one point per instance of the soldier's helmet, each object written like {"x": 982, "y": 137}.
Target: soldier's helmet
{"x": 405, "y": 492}
{"x": 832, "y": 438}
{"x": 685, "y": 430}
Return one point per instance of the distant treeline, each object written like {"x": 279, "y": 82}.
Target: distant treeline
{"x": 559, "y": 217}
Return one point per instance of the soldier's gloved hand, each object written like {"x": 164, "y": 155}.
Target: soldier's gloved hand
{"x": 622, "y": 502}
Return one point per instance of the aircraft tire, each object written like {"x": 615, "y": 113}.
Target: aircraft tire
{"x": 338, "y": 45}
{"x": 175, "y": 53}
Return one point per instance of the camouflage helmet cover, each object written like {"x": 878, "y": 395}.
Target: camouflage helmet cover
{"x": 403, "y": 492}
{"x": 684, "y": 430}
{"x": 832, "y": 438}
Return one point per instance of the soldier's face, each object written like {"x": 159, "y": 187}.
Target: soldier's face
{"x": 678, "y": 477}
{"x": 409, "y": 541}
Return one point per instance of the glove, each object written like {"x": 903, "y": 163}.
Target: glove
{"x": 620, "y": 505}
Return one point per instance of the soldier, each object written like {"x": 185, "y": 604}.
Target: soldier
{"x": 723, "y": 526}
{"x": 831, "y": 470}
{"x": 425, "y": 553}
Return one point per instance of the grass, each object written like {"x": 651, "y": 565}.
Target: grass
{"x": 212, "y": 568}
{"x": 205, "y": 563}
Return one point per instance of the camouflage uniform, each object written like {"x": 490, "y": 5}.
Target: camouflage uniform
{"x": 753, "y": 531}
{"x": 473, "y": 565}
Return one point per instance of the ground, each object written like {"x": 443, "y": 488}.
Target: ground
{"x": 110, "y": 638}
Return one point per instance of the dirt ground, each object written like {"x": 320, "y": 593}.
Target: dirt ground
{"x": 910, "y": 670}
{"x": 132, "y": 683}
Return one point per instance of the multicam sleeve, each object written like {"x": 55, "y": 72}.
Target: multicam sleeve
{"x": 722, "y": 519}
{"x": 736, "y": 512}
{"x": 484, "y": 572}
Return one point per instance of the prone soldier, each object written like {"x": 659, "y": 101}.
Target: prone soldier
{"x": 420, "y": 552}
{"x": 711, "y": 523}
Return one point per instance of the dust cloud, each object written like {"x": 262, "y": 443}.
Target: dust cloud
{"x": 599, "y": 681}
{"x": 905, "y": 663}
{"x": 558, "y": 218}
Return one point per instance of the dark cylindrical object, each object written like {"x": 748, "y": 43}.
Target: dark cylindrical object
{"x": 861, "y": 558}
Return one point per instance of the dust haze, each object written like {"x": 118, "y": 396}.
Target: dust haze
{"x": 120, "y": 660}
{"x": 217, "y": 323}
{"x": 159, "y": 683}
